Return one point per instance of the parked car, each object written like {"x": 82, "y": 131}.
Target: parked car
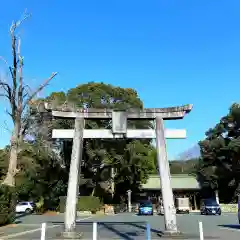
{"x": 182, "y": 205}
{"x": 145, "y": 208}
{"x": 25, "y": 207}
{"x": 210, "y": 207}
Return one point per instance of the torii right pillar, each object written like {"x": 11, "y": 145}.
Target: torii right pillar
{"x": 165, "y": 177}
{"x": 164, "y": 172}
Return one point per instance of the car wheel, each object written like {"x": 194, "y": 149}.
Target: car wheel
{"x": 28, "y": 210}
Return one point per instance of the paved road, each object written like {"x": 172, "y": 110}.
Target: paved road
{"x": 126, "y": 226}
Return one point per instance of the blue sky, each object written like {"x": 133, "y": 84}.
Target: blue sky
{"x": 172, "y": 52}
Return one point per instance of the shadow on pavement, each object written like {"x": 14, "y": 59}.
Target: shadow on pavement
{"x": 233, "y": 226}
{"x": 19, "y": 216}
{"x": 117, "y": 232}
{"x": 111, "y": 230}
{"x": 137, "y": 225}
{"x": 181, "y": 235}
{"x": 99, "y": 222}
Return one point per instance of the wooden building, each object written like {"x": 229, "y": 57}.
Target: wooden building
{"x": 183, "y": 185}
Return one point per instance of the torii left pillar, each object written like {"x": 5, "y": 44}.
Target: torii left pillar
{"x": 73, "y": 182}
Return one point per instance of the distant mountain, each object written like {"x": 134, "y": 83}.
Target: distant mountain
{"x": 193, "y": 152}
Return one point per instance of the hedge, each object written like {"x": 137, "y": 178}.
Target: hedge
{"x": 85, "y": 203}
{"x": 7, "y": 204}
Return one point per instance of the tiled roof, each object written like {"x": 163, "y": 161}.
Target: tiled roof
{"x": 178, "y": 181}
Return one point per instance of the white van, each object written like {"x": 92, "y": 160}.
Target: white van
{"x": 182, "y": 205}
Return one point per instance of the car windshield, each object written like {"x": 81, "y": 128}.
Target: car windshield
{"x": 210, "y": 202}
{"x": 145, "y": 204}
{"x": 22, "y": 203}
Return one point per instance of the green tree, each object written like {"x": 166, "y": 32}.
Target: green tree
{"x": 40, "y": 168}
{"x": 3, "y": 162}
{"x": 39, "y": 171}
{"x": 183, "y": 167}
{"x": 130, "y": 158}
{"x": 219, "y": 166}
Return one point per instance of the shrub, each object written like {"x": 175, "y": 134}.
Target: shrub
{"x": 89, "y": 203}
{"x": 40, "y": 210}
{"x": 62, "y": 204}
{"x": 7, "y": 204}
{"x": 85, "y": 203}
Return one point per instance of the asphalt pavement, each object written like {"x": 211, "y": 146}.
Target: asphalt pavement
{"x": 125, "y": 226}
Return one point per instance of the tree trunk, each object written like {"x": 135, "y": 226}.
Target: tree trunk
{"x": 237, "y": 191}
{"x": 93, "y": 191}
{"x": 12, "y": 167}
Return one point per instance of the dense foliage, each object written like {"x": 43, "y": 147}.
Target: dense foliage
{"x": 44, "y": 164}
{"x": 183, "y": 167}
{"x": 39, "y": 173}
{"x": 7, "y": 200}
{"x": 219, "y": 166}
{"x": 85, "y": 203}
{"x": 129, "y": 158}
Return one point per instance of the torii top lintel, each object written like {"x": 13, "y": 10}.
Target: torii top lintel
{"x": 66, "y": 111}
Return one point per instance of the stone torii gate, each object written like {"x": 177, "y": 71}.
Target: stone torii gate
{"x": 119, "y": 130}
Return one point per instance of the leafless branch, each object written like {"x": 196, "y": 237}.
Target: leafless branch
{"x": 45, "y": 83}
{"x": 25, "y": 125}
{"x": 8, "y": 113}
{"x": 8, "y": 93}
{"x": 7, "y": 64}
{"x": 16, "y": 52}
{"x": 7, "y": 89}
{"x": 3, "y": 95}
{"x": 19, "y": 22}
{"x": 20, "y": 87}
{"x": 4, "y": 60}
{"x": 5, "y": 126}
{"x": 27, "y": 90}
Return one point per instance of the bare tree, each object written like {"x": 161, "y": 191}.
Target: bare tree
{"x": 19, "y": 97}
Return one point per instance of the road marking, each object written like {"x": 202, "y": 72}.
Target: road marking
{"x": 25, "y": 232}
{"x": 230, "y": 229}
{"x": 33, "y": 230}
{"x": 81, "y": 219}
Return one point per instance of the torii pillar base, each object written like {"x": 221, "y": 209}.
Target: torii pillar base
{"x": 71, "y": 235}
{"x": 177, "y": 235}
